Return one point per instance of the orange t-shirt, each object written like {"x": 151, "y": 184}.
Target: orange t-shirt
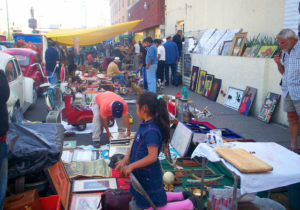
{"x": 105, "y": 100}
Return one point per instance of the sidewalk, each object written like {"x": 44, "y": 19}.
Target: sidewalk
{"x": 248, "y": 127}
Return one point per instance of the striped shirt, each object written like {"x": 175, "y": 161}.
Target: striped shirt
{"x": 291, "y": 76}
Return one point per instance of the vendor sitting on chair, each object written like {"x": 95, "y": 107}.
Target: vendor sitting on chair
{"x": 105, "y": 106}
{"x": 114, "y": 72}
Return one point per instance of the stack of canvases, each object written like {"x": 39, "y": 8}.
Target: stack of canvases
{"x": 240, "y": 100}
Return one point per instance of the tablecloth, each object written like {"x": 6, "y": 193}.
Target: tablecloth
{"x": 285, "y": 163}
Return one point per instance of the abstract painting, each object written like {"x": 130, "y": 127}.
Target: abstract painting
{"x": 194, "y": 78}
{"x": 201, "y": 82}
{"x": 268, "y": 107}
{"x": 208, "y": 84}
{"x": 226, "y": 48}
{"x": 266, "y": 51}
{"x": 246, "y": 52}
{"x": 216, "y": 85}
{"x": 238, "y": 44}
{"x": 233, "y": 98}
{"x": 253, "y": 50}
{"x": 222, "y": 94}
{"x": 247, "y": 100}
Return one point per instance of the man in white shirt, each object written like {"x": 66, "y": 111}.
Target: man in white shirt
{"x": 137, "y": 52}
{"x": 161, "y": 57}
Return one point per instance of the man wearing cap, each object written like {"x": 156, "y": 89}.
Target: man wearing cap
{"x": 114, "y": 72}
{"x": 105, "y": 105}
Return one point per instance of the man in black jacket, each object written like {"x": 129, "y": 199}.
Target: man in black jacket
{"x": 178, "y": 39}
{"x": 4, "y": 95}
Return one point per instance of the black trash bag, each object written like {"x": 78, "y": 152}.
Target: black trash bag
{"x": 33, "y": 147}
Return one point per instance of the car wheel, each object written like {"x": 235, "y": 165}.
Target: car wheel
{"x": 81, "y": 127}
{"x": 34, "y": 97}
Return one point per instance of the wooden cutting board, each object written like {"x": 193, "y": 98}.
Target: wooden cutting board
{"x": 243, "y": 160}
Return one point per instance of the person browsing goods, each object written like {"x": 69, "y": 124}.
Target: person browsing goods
{"x": 142, "y": 159}
{"x": 104, "y": 106}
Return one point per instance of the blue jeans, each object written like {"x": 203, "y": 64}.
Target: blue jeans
{"x": 151, "y": 78}
{"x": 3, "y": 171}
{"x": 174, "y": 73}
{"x": 121, "y": 78}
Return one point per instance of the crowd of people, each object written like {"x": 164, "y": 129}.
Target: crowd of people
{"x": 151, "y": 58}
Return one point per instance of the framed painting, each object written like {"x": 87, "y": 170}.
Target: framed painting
{"x": 94, "y": 185}
{"x": 69, "y": 144}
{"x": 222, "y": 94}
{"x": 216, "y": 85}
{"x": 187, "y": 65}
{"x": 60, "y": 182}
{"x": 247, "y": 100}
{"x": 238, "y": 44}
{"x": 226, "y": 47}
{"x": 194, "y": 78}
{"x": 246, "y": 52}
{"x": 233, "y": 98}
{"x": 268, "y": 107}
{"x": 208, "y": 84}
{"x": 201, "y": 82}
{"x": 266, "y": 51}
{"x": 253, "y": 50}
{"x": 86, "y": 201}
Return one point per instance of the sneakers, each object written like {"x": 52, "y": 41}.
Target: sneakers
{"x": 196, "y": 202}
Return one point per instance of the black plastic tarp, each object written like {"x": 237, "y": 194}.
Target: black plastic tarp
{"x": 33, "y": 147}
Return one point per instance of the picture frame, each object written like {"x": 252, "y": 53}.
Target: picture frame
{"x": 266, "y": 51}
{"x": 194, "y": 78}
{"x": 187, "y": 65}
{"x": 253, "y": 50}
{"x": 216, "y": 85}
{"x": 222, "y": 94}
{"x": 238, "y": 44}
{"x": 247, "y": 100}
{"x": 69, "y": 144}
{"x": 60, "y": 182}
{"x": 208, "y": 84}
{"x": 201, "y": 82}
{"x": 270, "y": 103}
{"x": 90, "y": 201}
{"x": 226, "y": 48}
{"x": 233, "y": 98}
{"x": 94, "y": 185}
{"x": 181, "y": 139}
{"x": 246, "y": 51}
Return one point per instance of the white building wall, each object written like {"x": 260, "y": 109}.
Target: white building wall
{"x": 263, "y": 17}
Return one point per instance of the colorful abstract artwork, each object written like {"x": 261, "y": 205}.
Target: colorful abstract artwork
{"x": 266, "y": 51}
{"x": 208, "y": 84}
{"x": 238, "y": 44}
{"x": 268, "y": 107}
{"x": 253, "y": 51}
{"x": 233, "y": 98}
{"x": 226, "y": 48}
{"x": 194, "y": 78}
{"x": 247, "y": 100}
{"x": 216, "y": 85}
{"x": 201, "y": 82}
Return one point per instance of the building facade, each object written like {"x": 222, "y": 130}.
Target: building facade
{"x": 118, "y": 11}
{"x": 153, "y": 16}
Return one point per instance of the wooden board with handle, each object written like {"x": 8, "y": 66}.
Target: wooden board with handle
{"x": 243, "y": 160}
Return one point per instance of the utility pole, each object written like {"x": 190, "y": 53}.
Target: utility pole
{"x": 8, "y": 33}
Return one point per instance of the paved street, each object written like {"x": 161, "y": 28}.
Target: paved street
{"x": 223, "y": 117}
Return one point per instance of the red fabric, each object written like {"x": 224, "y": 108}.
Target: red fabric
{"x": 3, "y": 138}
{"x": 120, "y": 181}
{"x": 171, "y": 108}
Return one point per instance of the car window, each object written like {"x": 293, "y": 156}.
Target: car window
{"x": 17, "y": 67}
{"x": 10, "y": 71}
{"x": 22, "y": 59}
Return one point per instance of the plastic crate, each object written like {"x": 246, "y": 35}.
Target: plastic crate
{"x": 51, "y": 203}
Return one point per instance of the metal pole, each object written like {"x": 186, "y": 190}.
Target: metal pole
{"x": 7, "y": 18}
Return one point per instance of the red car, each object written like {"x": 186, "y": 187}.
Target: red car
{"x": 26, "y": 58}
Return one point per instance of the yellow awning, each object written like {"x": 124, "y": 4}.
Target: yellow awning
{"x": 90, "y": 36}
